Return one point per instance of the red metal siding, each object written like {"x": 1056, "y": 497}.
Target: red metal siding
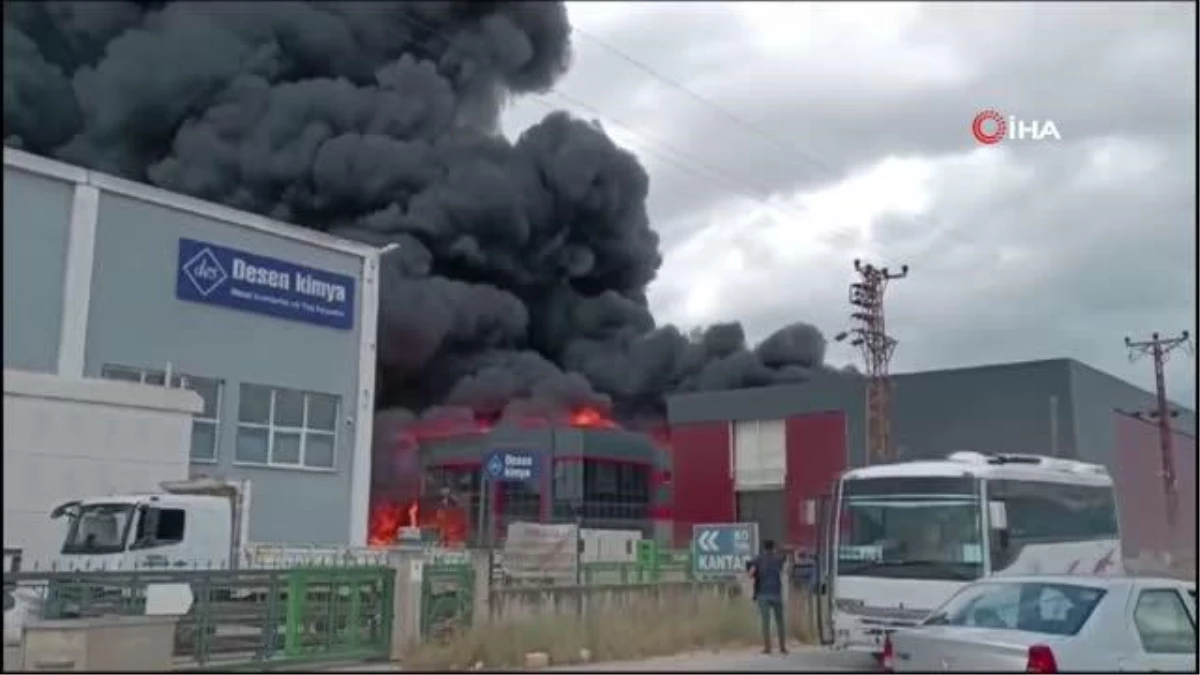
{"x": 702, "y": 481}
{"x": 1140, "y": 493}
{"x": 816, "y": 454}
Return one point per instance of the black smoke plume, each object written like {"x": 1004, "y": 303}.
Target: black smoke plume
{"x": 521, "y": 272}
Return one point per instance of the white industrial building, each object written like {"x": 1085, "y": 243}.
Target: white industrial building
{"x": 272, "y": 325}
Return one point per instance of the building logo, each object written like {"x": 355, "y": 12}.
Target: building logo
{"x": 216, "y": 275}
{"x": 990, "y": 127}
{"x": 495, "y": 467}
{"x": 205, "y": 272}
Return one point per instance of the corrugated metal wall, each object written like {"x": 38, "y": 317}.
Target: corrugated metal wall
{"x": 703, "y": 482}
{"x": 816, "y": 454}
{"x": 1142, "y": 499}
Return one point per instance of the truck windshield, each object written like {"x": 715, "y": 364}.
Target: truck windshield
{"x": 99, "y": 528}
{"x": 910, "y": 528}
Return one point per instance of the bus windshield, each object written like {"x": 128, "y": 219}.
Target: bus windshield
{"x": 911, "y": 528}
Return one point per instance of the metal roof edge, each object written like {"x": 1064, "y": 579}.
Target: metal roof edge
{"x": 43, "y": 166}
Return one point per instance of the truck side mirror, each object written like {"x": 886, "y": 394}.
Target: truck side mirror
{"x": 68, "y": 509}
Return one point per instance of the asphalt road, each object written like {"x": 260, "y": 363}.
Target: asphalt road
{"x": 800, "y": 660}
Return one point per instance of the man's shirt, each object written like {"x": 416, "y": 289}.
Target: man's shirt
{"x": 768, "y": 575}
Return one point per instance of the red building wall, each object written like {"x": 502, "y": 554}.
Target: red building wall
{"x": 701, "y": 478}
{"x": 816, "y": 454}
{"x": 1140, "y": 491}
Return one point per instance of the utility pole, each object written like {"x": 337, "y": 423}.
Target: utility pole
{"x": 868, "y": 332}
{"x": 1159, "y": 348}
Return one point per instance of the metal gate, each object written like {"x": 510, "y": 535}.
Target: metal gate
{"x": 447, "y": 599}
{"x": 244, "y": 619}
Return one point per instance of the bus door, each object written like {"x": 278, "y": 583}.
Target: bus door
{"x": 823, "y": 594}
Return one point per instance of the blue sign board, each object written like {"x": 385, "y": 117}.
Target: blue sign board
{"x": 216, "y": 275}
{"x": 512, "y": 465}
{"x": 722, "y": 550}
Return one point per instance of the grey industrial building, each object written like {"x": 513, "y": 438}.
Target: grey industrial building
{"x": 777, "y": 449}
{"x": 273, "y": 325}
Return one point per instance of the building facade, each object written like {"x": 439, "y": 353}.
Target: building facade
{"x": 273, "y": 325}
{"x": 603, "y": 478}
{"x": 768, "y": 454}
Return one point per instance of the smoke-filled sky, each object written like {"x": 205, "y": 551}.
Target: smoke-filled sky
{"x": 1018, "y": 251}
{"x": 521, "y": 273}
{"x": 529, "y": 264}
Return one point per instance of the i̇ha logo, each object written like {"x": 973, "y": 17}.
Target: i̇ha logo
{"x": 205, "y": 272}
{"x": 990, "y": 127}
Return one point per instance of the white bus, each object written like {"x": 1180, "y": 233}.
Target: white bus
{"x": 904, "y": 537}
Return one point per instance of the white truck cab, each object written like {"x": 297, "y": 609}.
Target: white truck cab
{"x": 191, "y": 524}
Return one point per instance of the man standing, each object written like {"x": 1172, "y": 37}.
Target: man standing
{"x": 766, "y": 570}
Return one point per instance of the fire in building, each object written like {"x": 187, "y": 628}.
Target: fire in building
{"x": 767, "y": 455}
{"x": 591, "y": 471}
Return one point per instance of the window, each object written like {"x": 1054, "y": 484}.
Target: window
{"x": 614, "y": 492}
{"x": 99, "y": 528}
{"x": 760, "y": 453}
{"x": 568, "y": 482}
{"x": 205, "y": 423}
{"x": 463, "y": 484}
{"x": 1042, "y": 513}
{"x": 516, "y": 502}
{"x": 1163, "y": 623}
{"x": 917, "y": 527}
{"x": 1055, "y": 609}
{"x": 285, "y": 427}
{"x": 159, "y": 527}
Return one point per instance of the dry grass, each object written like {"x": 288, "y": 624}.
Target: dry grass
{"x": 801, "y": 623}
{"x": 634, "y": 631}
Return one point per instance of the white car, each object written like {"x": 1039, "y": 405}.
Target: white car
{"x": 1054, "y": 623}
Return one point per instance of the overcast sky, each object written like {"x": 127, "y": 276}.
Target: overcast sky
{"x": 784, "y": 140}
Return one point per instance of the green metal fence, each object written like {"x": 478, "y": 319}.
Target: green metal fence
{"x": 652, "y": 565}
{"x": 239, "y": 619}
{"x": 447, "y": 599}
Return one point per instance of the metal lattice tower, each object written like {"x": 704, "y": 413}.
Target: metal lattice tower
{"x": 868, "y": 332}
{"x": 1159, "y": 348}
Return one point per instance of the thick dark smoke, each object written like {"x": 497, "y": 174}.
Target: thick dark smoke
{"x": 521, "y": 272}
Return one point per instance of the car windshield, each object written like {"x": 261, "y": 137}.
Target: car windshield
{"x": 1052, "y": 608}
{"x": 99, "y": 528}
{"x": 916, "y": 528}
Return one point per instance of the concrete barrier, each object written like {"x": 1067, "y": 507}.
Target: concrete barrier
{"x": 117, "y": 644}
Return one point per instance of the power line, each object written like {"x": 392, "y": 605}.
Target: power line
{"x": 791, "y": 148}
{"x": 1151, "y": 419}
{"x": 1159, "y": 348}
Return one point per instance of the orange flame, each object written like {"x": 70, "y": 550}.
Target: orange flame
{"x": 591, "y": 417}
{"x": 384, "y": 524}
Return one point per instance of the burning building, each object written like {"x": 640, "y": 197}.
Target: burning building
{"x": 510, "y": 275}
{"x": 592, "y": 472}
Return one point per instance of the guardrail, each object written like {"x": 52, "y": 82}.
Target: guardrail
{"x": 238, "y": 618}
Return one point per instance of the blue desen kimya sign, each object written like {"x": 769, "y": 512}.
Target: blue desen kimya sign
{"x": 722, "y": 550}
{"x": 511, "y": 465}
{"x": 227, "y": 277}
